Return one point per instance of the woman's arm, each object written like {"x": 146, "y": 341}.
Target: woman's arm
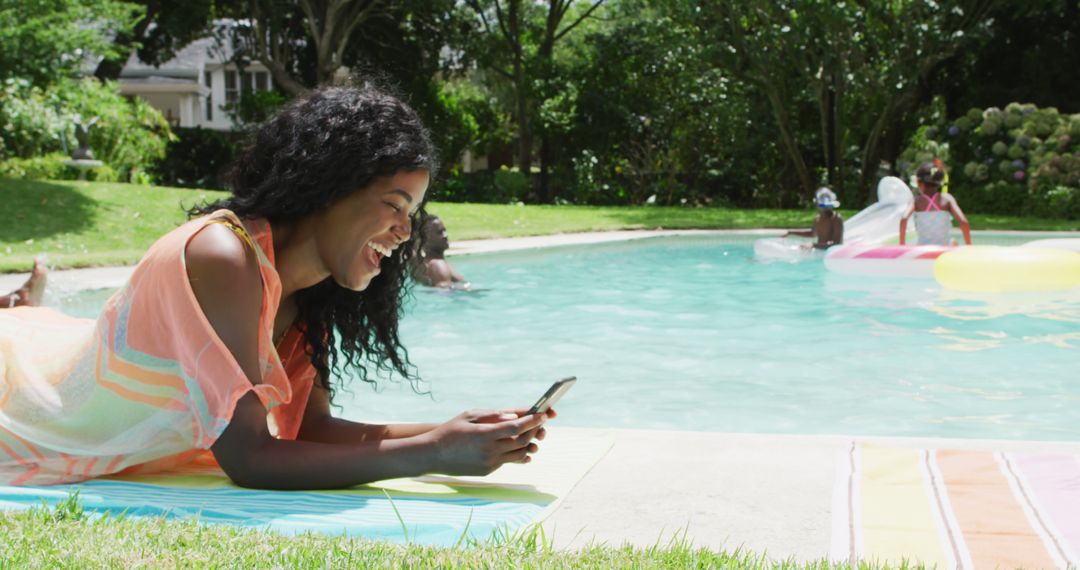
{"x": 320, "y": 425}
{"x": 225, "y": 278}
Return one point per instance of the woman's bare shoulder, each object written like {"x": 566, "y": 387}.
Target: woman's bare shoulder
{"x": 224, "y": 275}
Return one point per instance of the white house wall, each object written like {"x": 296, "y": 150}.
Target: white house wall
{"x": 220, "y": 120}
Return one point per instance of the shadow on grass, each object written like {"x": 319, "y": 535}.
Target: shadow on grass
{"x": 42, "y": 209}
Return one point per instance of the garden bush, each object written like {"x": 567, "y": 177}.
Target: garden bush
{"x": 30, "y": 125}
{"x": 1020, "y": 160}
{"x": 502, "y": 186}
{"x": 129, "y": 136}
{"x": 195, "y": 158}
{"x": 51, "y": 167}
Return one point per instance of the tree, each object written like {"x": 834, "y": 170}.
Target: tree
{"x": 522, "y": 41}
{"x": 278, "y": 33}
{"x": 46, "y": 40}
{"x": 421, "y": 48}
{"x": 163, "y": 28}
{"x": 867, "y": 68}
{"x": 1031, "y": 56}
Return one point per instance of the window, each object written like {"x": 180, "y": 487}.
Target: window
{"x": 248, "y": 82}
{"x": 207, "y": 78}
{"x": 232, "y": 91}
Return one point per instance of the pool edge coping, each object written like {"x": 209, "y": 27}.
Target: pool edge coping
{"x": 74, "y": 280}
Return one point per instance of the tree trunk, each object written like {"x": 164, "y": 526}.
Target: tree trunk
{"x": 872, "y": 152}
{"x": 284, "y": 79}
{"x": 546, "y": 195}
{"x": 787, "y": 138}
{"x": 839, "y": 140}
{"x": 827, "y": 116}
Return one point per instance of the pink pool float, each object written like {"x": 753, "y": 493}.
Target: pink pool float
{"x": 877, "y": 260}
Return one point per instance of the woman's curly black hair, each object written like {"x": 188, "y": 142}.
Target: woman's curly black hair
{"x": 316, "y": 150}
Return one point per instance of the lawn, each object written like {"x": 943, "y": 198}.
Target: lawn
{"x": 81, "y": 224}
{"x": 68, "y": 537}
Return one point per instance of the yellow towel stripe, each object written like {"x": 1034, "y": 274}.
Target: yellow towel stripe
{"x": 896, "y": 509}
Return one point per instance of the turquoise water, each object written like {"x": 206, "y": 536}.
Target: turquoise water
{"x": 694, "y": 334}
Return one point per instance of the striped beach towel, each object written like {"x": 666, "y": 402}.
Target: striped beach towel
{"x": 953, "y": 508}
{"x": 434, "y": 510}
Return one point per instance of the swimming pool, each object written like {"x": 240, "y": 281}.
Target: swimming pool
{"x": 694, "y": 334}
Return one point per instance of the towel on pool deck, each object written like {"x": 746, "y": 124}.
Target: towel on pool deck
{"x": 957, "y": 508}
{"x": 435, "y": 510}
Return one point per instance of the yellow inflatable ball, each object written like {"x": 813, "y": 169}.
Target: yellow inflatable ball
{"x": 994, "y": 269}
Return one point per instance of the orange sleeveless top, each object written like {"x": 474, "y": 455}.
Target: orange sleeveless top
{"x": 148, "y": 385}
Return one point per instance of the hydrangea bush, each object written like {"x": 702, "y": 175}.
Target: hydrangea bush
{"x": 1021, "y": 159}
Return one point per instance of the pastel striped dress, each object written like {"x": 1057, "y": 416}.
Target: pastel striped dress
{"x": 148, "y": 385}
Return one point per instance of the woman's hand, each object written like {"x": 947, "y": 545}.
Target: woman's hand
{"x": 480, "y": 441}
{"x": 539, "y": 433}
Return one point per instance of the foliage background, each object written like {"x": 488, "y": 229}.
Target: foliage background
{"x": 690, "y": 103}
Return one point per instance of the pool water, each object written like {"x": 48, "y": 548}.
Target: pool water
{"x": 695, "y": 334}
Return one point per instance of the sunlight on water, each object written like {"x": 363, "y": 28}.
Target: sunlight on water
{"x": 681, "y": 333}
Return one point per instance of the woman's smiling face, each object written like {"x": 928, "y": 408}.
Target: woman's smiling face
{"x": 355, "y": 233}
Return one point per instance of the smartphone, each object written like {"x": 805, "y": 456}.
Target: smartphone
{"x": 553, "y": 394}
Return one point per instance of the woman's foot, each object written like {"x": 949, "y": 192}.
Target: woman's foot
{"x": 29, "y": 295}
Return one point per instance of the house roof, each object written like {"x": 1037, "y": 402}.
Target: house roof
{"x": 189, "y": 61}
{"x": 160, "y": 84}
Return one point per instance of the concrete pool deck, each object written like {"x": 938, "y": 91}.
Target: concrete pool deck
{"x": 769, "y": 493}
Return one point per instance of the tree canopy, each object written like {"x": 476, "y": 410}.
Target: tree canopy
{"x": 746, "y": 102}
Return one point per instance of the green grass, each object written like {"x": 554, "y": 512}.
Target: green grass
{"x": 81, "y": 224}
{"x": 66, "y": 536}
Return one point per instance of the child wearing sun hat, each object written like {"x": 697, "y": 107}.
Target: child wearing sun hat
{"x": 828, "y": 226}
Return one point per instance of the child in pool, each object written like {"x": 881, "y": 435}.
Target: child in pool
{"x": 933, "y": 209}
{"x": 828, "y": 227}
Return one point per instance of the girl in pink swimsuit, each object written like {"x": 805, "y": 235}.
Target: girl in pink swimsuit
{"x": 933, "y": 209}
{"x": 234, "y": 329}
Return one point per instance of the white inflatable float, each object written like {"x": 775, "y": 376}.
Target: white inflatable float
{"x": 880, "y": 222}
{"x": 1070, "y": 244}
{"x": 785, "y": 249}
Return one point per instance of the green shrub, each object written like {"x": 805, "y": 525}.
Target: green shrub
{"x": 47, "y": 167}
{"x": 1018, "y": 160}
{"x": 51, "y": 167}
{"x": 29, "y": 124}
{"x": 1057, "y": 202}
{"x": 129, "y": 136}
{"x": 494, "y": 187}
{"x": 195, "y": 158}
{"x": 253, "y": 108}
{"x": 1055, "y": 187}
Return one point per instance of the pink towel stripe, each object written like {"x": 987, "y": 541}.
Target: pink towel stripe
{"x": 1055, "y": 483}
